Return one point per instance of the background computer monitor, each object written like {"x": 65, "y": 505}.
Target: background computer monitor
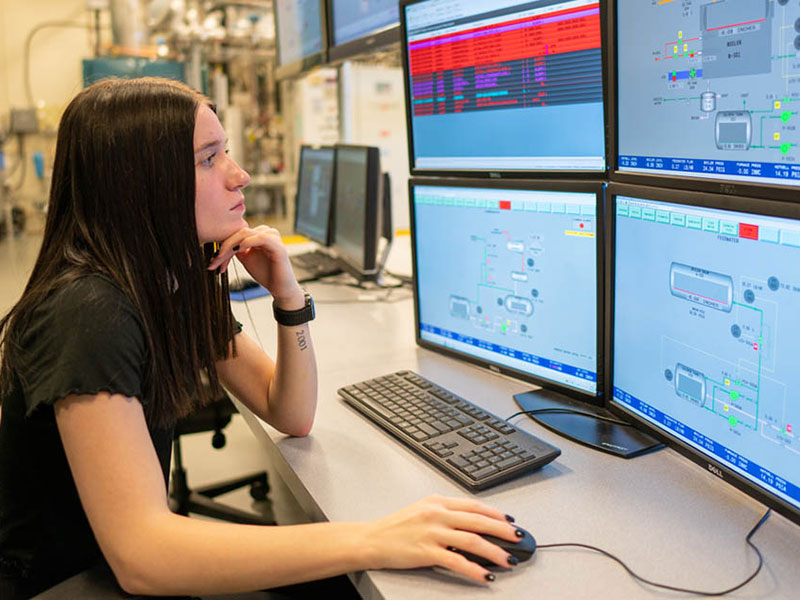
{"x": 357, "y": 27}
{"x": 707, "y": 96}
{"x": 313, "y": 215}
{"x": 300, "y": 27}
{"x": 706, "y": 331}
{"x": 503, "y": 87}
{"x": 358, "y": 209}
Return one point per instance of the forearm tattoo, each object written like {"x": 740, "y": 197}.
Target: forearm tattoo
{"x": 301, "y": 339}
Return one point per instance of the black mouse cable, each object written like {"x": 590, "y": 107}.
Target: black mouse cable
{"x": 670, "y": 587}
{"x": 568, "y": 411}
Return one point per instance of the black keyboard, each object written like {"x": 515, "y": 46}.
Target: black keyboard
{"x": 313, "y": 265}
{"x": 466, "y": 442}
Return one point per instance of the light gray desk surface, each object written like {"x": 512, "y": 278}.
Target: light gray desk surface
{"x": 669, "y": 519}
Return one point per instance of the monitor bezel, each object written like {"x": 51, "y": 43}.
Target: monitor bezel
{"x": 768, "y": 191}
{"x": 592, "y": 175}
{"x": 760, "y": 206}
{"x": 543, "y": 185}
{"x": 328, "y": 239}
{"x": 377, "y": 39}
{"x": 367, "y": 269}
{"x": 305, "y": 63}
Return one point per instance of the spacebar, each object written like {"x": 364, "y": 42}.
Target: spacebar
{"x": 376, "y": 407}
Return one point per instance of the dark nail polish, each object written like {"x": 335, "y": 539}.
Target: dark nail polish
{"x": 236, "y": 248}
{"x": 512, "y": 560}
{"x": 510, "y": 519}
{"x": 489, "y": 577}
{"x": 519, "y": 533}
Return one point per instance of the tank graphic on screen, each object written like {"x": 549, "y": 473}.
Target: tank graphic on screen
{"x": 703, "y": 287}
{"x": 690, "y": 384}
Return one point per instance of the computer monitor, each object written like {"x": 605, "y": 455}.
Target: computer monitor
{"x": 313, "y": 215}
{"x": 707, "y": 96}
{"x": 503, "y": 87}
{"x": 706, "y": 331}
{"x": 358, "y": 27}
{"x": 358, "y": 210}
{"x": 509, "y": 276}
{"x": 301, "y": 35}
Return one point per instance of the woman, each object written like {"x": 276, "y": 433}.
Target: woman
{"x": 124, "y": 314}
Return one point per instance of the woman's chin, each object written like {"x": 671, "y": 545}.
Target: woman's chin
{"x": 219, "y": 235}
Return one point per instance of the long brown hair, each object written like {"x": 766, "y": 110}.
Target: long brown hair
{"x": 122, "y": 203}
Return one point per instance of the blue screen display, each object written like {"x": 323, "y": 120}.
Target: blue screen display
{"x": 510, "y": 277}
{"x": 299, "y": 24}
{"x": 707, "y": 334}
{"x": 314, "y": 193}
{"x": 354, "y": 19}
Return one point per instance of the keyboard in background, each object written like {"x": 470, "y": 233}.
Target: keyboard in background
{"x": 313, "y": 265}
{"x": 466, "y": 442}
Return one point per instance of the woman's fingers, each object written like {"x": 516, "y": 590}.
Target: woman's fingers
{"x": 471, "y": 515}
{"x": 425, "y": 534}
{"x": 474, "y": 543}
{"x": 245, "y": 239}
{"x": 459, "y": 564}
{"x": 482, "y": 517}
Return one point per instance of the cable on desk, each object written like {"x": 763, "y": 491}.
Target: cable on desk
{"x": 247, "y": 308}
{"x": 568, "y": 411}
{"x": 670, "y": 587}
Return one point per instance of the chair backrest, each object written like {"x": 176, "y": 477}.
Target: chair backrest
{"x": 212, "y": 417}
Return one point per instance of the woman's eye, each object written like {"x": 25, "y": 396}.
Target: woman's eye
{"x": 206, "y": 162}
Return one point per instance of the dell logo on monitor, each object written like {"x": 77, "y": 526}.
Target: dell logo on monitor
{"x": 716, "y": 471}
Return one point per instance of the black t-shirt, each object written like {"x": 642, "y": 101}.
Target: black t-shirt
{"x": 85, "y": 338}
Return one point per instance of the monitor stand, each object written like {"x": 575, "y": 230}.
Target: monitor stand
{"x": 620, "y": 440}
{"x": 386, "y": 227}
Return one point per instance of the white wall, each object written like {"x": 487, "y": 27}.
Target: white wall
{"x": 56, "y": 52}
{"x": 373, "y": 113}
{"x": 55, "y": 70}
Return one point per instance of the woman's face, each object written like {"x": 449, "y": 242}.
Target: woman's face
{"x": 219, "y": 202}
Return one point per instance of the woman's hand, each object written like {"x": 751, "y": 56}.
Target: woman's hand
{"x": 263, "y": 254}
{"x": 420, "y": 535}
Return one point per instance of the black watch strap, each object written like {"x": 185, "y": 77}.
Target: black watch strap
{"x": 291, "y": 318}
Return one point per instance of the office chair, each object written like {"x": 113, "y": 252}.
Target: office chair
{"x": 183, "y": 500}
{"x": 96, "y": 583}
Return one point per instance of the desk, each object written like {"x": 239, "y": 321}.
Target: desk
{"x": 669, "y": 519}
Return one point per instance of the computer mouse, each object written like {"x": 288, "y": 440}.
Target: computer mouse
{"x": 522, "y": 550}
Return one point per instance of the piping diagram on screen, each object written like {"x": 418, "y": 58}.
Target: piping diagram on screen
{"x": 507, "y": 296}
{"x": 504, "y": 298}
{"x": 730, "y": 70}
{"x": 730, "y": 366}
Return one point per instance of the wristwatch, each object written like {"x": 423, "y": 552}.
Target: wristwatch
{"x": 290, "y": 318}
